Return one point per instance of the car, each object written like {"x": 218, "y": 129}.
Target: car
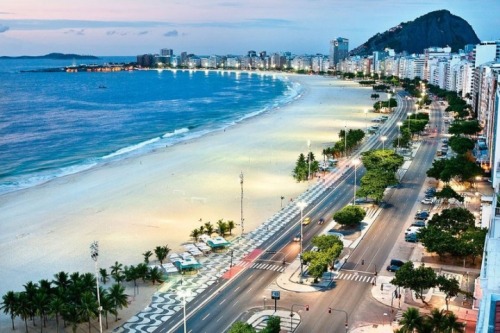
{"x": 418, "y": 223}
{"x": 306, "y": 220}
{"x": 412, "y": 238}
{"x": 395, "y": 265}
{"x": 430, "y": 190}
{"x": 321, "y": 221}
{"x": 427, "y": 201}
{"x": 296, "y": 238}
{"x": 315, "y": 249}
{"x": 422, "y": 215}
{"x": 412, "y": 230}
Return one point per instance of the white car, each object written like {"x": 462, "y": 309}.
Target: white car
{"x": 412, "y": 230}
{"x": 428, "y": 201}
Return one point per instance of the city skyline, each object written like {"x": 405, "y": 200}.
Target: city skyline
{"x": 127, "y": 27}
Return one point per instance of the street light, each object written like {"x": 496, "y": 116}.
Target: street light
{"x": 383, "y": 138}
{"x": 241, "y": 183}
{"x": 94, "y": 254}
{"x": 355, "y": 162}
{"x": 184, "y": 294}
{"x": 409, "y": 120}
{"x": 346, "y": 317}
{"x": 399, "y": 123}
{"x": 301, "y": 205}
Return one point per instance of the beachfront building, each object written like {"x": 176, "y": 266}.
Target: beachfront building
{"x": 339, "y": 50}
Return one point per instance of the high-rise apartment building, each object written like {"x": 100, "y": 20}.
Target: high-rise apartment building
{"x": 339, "y": 50}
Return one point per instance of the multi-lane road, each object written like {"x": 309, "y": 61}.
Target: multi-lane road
{"x": 217, "y": 308}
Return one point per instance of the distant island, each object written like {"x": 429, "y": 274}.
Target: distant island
{"x": 56, "y": 56}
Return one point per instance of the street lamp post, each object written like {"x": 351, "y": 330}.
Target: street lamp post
{"x": 355, "y": 162}
{"x": 383, "y": 138}
{"x": 184, "y": 294}
{"x": 399, "y": 131}
{"x": 241, "y": 183}
{"x": 346, "y": 317}
{"x": 301, "y": 205}
{"x": 94, "y": 254}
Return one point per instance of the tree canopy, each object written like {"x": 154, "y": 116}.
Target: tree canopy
{"x": 417, "y": 279}
{"x": 349, "y": 215}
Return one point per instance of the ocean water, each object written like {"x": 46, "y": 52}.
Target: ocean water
{"x": 55, "y": 124}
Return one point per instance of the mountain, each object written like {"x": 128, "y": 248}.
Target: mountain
{"x": 439, "y": 28}
{"x": 62, "y": 56}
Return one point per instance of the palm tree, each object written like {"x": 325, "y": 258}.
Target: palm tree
{"x": 161, "y": 253}
{"x": 195, "y": 234}
{"x": 201, "y": 230}
{"x": 41, "y": 306}
{"x": 147, "y": 255}
{"x": 72, "y": 315}
{"x": 436, "y": 319}
{"x": 23, "y": 308}
{"x": 9, "y": 301}
{"x": 230, "y": 226}
{"x": 411, "y": 320}
{"x": 117, "y": 298}
{"x": 452, "y": 325}
{"x": 106, "y": 304}
{"x": 56, "y": 307}
{"x": 116, "y": 272}
{"x": 104, "y": 275}
{"x": 131, "y": 274}
{"x": 155, "y": 275}
{"x": 88, "y": 306}
{"x": 142, "y": 271}
{"x": 30, "y": 289}
{"x": 117, "y": 267}
{"x": 61, "y": 279}
{"x": 209, "y": 228}
{"x": 221, "y": 227}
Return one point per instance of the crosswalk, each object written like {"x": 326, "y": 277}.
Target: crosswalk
{"x": 356, "y": 277}
{"x": 262, "y": 265}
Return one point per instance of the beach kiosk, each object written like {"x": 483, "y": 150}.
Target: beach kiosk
{"x": 218, "y": 243}
{"x": 187, "y": 264}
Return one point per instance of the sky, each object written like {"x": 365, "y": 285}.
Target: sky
{"x": 205, "y": 27}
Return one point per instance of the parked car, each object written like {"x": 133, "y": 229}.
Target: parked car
{"x": 296, "y": 238}
{"x": 413, "y": 238}
{"x": 412, "y": 230}
{"x": 418, "y": 223}
{"x": 321, "y": 221}
{"x": 422, "y": 215}
{"x": 395, "y": 265}
{"x": 306, "y": 220}
{"x": 430, "y": 190}
{"x": 428, "y": 201}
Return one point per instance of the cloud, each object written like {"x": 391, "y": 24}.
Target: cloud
{"x": 3, "y": 28}
{"x": 143, "y": 32}
{"x": 171, "y": 33}
{"x": 79, "y": 32}
{"x": 111, "y": 32}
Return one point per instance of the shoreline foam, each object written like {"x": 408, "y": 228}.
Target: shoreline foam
{"x": 136, "y": 204}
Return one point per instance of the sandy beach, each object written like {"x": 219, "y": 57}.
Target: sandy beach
{"x": 135, "y": 205}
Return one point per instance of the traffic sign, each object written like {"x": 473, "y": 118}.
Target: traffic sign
{"x": 275, "y": 294}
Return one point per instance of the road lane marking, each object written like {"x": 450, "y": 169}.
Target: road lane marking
{"x": 235, "y": 290}
{"x": 250, "y": 277}
{"x": 222, "y": 301}
{"x": 205, "y": 317}
{"x": 249, "y": 290}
